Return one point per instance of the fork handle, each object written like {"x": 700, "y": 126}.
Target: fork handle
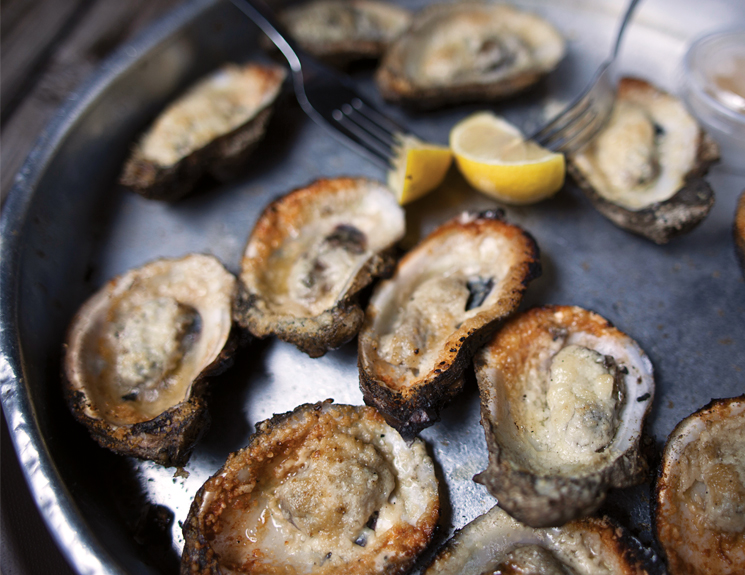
{"x": 264, "y": 18}
{"x": 621, "y": 28}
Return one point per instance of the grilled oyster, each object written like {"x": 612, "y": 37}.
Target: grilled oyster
{"x": 138, "y": 352}
{"x": 310, "y": 254}
{"x": 738, "y": 230}
{"x": 699, "y": 512}
{"x": 468, "y": 51}
{"x": 342, "y": 31}
{"x": 446, "y": 298}
{"x": 212, "y": 129}
{"x": 323, "y": 489}
{"x": 563, "y": 399}
{"x": 644, "y": 170}
{"x": 496, "y": 544}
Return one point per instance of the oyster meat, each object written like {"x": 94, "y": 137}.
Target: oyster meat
{"x": 138, "y": 352}
{"x": 644, "y": 170}
{"x": 447, "y": 296}
{"x": 564, "y": 395}
{"x": 468, "y": 51}
{"x": 308, "y": 257}
{"x": 699, "y": 509}
{"x": 212, "y": 128}
{"x": 342, "y": 31}
{"x": 496, "y": 544}
{"x": 323, "y": 489}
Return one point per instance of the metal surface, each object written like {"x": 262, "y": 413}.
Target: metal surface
{"x": 67, "y": 228}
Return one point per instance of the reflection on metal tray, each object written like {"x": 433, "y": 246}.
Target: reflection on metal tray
{"x": 67, "y": 228}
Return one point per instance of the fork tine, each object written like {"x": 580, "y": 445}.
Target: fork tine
{"x": 385, "y": 137}
{"x": 376, "y": 116}
{"x": 562, "y": 122}
{"x": 361, "y": 139}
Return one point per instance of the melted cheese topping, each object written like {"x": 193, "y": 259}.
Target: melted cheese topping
{"x": 583, "y": 408}
{"x": 214, "y": 107}
{"x": 148, "y": 343}
{"x": 570, "y": 410}
{"x": 427, "y": 318}
{"x": 333, "y": 486}
{"x": 644, "y": 153}
{"x": 712, "y": 477}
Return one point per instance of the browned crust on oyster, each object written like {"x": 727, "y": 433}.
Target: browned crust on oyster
{"x": 222, "y": 157}
{"x": 479, "y": 541}
{"x": 167, "y": 439}
{"x": 244, "y": 472}
{"x": 738, "y": 231}
{"x": 314, "y": 335}
{"x": 396, "y": 85}
{"x": 341, "y": 51}
{"x": 665, "y": 220}
{"x": 418, "y": 406}
{"x": 717, "y": 552}
{"x": 535, "y": 496}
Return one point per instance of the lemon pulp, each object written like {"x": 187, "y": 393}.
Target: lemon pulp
{"x": 418, "y": 168}
{"x": 495, "y": 159}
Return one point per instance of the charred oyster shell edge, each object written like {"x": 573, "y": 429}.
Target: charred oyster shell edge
{"x": 314, "y": 335}
{"x": 419, "y": 406}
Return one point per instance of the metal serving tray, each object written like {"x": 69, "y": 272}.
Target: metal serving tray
{"x": 67, "y": 228}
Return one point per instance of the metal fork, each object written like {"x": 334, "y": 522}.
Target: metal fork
{"x": 329, "y": 98}
{"x": 588, "y": 113}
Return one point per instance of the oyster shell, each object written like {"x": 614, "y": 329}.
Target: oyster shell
{"x": 446, "y": 298}
{"x": 342, "y": 31}
{"x": 468, "y": 51}
{"x": 308, "y": 257}
{"x": 323, "y": 489}
{"x": 738, "y": 231}
{"x": 212, "y": 128}
{"x": 644, "y": 170}
{"x": 564, "y": 395}
{"x": 699, "y": 511}
{"x": 496, "y": 544}
{"x": 138, "y": 351}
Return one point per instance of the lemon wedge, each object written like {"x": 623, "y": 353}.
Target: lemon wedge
{"x": 496, "y": 159}
{"x": 418, "y": 168}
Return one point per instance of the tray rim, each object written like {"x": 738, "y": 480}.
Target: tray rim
{"x": 73, "y": 536}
